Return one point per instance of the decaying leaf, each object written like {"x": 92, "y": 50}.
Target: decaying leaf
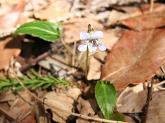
{"x": 57, "y": 9}
{"x": 146, "y": 21}
{"x": 9, "y": 49}
{"x": 84, "y": 107}
{"x": 130, "y": 13}
{"x": 133, "y": 99}
{"x": 12, "y": 17}
{"x": 61, "y": 103}
{"x": 18, "y": 108}
{"x": 94, "y": 69}
{"x": 156, "y": 108}
{"x": 135, "y": 58}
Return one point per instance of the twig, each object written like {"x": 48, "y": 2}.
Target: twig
{"x": 146, "y": 106}
{"x": 151, "y": 5}
{"x": 62, "y": 62}
{"x": 68, "y": 112}
{"x": 74, "y": 54}
{"x": 35, "y": 61}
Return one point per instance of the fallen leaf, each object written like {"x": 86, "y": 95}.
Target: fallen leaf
{"x": 61, "y": 103}
{"x": 9, "y": 49}
{"x": 133, "y": 99}
{"x": 20, "y": 109}
{"x": 94, "y": 69}
{"x": 84, "y": 107}
{"x": 130, "y": 12}
{"x": 135, "y": 58}
{"x": 156, "y": 108}
{"x": 57, "y": 9}
{"x": 146, "y": 21}
{"x": 10, "y": 19}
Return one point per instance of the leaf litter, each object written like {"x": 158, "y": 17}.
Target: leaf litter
{"x": 133, "y": 35}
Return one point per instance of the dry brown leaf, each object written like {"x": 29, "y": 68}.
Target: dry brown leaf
{"x": 10, "y": 19}
{"x": 9, "y": 49}
{"x": 146, "y": 21}
{"x": 129, "y": 12}
{"x": 156, "y": 109}
{"x": 94, "y": 72}
{"x": 57, "y": 9}
{"x": 133, "y": 99}
{"x": 94, "y": 69}
{"x": 84, "y": 107}
{"x": 20, "y": 109}
{"x": 61, "y": 103}
{"x": 135, "y": 58}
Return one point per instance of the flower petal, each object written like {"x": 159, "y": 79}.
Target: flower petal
{"x": 91, "y": 48}
{"x": 82, "y": 47}
{"x": 102, "y": 47}
{"x": 97, "y": 35}
{"x": 84, "y": 35}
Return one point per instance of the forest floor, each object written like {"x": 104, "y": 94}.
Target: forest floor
{"x": 49, "y": 82}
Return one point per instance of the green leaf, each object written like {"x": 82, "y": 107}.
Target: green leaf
{"x": 105, "y": 94}
{"x": 45, "y": 30}
{"x": 117, "y": 116}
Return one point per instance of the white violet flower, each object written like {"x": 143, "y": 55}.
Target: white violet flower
{"x": 91, "y": 41}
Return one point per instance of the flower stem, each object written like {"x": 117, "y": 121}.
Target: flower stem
{"x": 87, "y": 66}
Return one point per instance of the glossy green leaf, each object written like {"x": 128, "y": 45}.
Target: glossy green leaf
{"x": 45, "y": 30}
{"x": 105, "y": 94}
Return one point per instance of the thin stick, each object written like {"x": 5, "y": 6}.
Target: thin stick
{"x": 151, "y": 5}
{"x": 74, "y": 54}
{"x": 35, "y": 61}
{"x": 149, "y": 97}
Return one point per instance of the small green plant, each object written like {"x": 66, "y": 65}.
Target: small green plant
{"x": 105, "y": 93}
{"x": 32, "y": 81}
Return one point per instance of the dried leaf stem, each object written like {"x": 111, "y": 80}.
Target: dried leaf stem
{"x": 146, "y": 106}
{"x": 151, "y": 5}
